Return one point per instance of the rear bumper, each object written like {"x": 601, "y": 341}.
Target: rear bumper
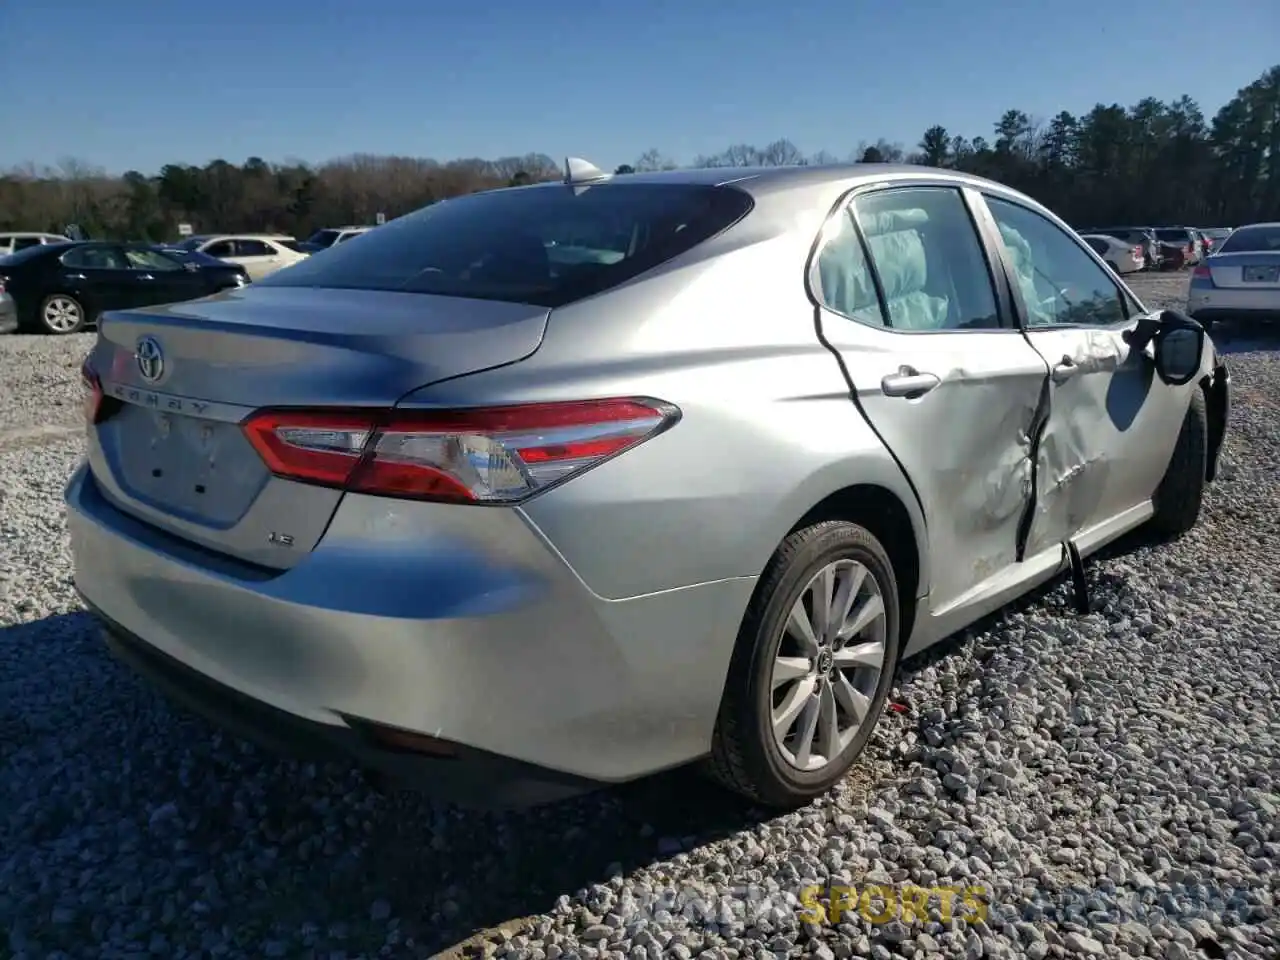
{"x": 1241, "y": 314}
{"x": 458, "y": 624}
{"x": 1207, "y": 302}
{"x": 469, "y": 777}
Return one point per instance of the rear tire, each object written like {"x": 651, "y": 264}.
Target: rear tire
{"x": 1181, "y": 491}
{"x": 61, "y": 314}
{"x": 829, "y": 678}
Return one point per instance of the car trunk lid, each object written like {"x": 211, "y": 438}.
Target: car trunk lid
{"x": 1248, "y": 269}
{"x": 179, "y": 380}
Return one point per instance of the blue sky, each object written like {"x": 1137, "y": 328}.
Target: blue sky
{"x": 138, "y": 84}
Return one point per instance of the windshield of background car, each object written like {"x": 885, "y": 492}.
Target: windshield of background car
{"x": 1251, "y": 240}
{"x": 1173, "y": 236}
{"x": 544, "y": 245}
{"x": 323, "y": 238}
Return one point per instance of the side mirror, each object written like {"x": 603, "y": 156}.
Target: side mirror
{"x": 1178, "y": 350}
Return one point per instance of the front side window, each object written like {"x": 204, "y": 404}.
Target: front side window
{"x": 1059, "y": 282}
{"x": 223, "y": 248}
{"x": 22, "y": 243}
{"x": 547, "y": 245}
{"x": 253, "y": 248}
{"x": 928, "y": 259}
{"x": 151, "y": 260}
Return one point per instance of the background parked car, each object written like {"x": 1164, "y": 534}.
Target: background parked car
{"x": 61, "y": 288}
{"x": 13, "y": 242}
{"x": 1215, "y": 236}
{"x": 260, "y": 254}
{"x": 221, "y": 272}
{"x": 1123, "y": 256}
{"x": 323, "y": 239}
{"x": 1180, "y": 244}
{"x": 1152, "y": 253}
{"x": 1241, "y": 280}
{"x": 1202, "y": 244}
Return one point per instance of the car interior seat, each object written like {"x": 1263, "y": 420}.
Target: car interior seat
{"x": 917, "y": 299}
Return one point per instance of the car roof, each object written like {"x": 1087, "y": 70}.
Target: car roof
{"x": 772, "y": 182}
{"x": 242, "y": 236}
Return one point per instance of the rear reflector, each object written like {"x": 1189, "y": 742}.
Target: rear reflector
{"x": 91, "y": 396}
{"x": 478, "y": 455}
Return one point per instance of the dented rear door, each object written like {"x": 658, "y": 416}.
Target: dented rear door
{"x": 947, "y": 382}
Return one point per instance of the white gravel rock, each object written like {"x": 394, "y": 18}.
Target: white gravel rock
{"x": 1111, "y": 781}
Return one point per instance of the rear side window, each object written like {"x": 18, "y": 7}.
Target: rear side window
{"x": 545, "y": 245}
{"x": 253, "y": 248}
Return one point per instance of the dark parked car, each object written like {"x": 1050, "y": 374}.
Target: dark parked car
{"x": 1182, "y": 240}
{"x": 236, "y": 274}
{"x": 61, "y": 288}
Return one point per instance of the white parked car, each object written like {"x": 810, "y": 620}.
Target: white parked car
{"x": 261, "y": 254}
{"x": 1240, "y": 280}
{"x": 13, "y": 242}
{"x": 1122, "y": 256}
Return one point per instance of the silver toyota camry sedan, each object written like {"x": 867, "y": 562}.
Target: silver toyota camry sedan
{"x": 547, "y": 488}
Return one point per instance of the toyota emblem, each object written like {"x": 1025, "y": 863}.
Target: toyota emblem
{"x": 150, "y": 359}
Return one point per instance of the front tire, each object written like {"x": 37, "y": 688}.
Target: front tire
{"x": 1178, "y": 498}
{"x": 811, "y": 669}
{"x": 61, "y": 314}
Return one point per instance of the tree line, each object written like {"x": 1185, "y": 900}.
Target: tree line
{"x": 1153, "y": 162}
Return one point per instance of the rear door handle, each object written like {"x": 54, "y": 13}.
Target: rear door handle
{"x": 1065, "y": 369}
{"x": 909, "y": 382}
{"x": 76, "y": 276}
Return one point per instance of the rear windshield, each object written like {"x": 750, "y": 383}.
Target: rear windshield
{"x": 29, "y": 253}
{"x": 544, "y": 245}
{"x": 1252, "y": 239}
{"x": 1173, "y": 236}
{"x": 323, "y": 238}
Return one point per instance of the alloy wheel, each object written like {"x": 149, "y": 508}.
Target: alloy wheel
{"x": 62, "y": 314}
{"x": 830, "y": 656}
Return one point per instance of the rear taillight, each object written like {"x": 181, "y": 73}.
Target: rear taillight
{"x": 91, "y": 393}
{"x": 3, "y": 281}
{"x": 480, "y": 455}
{"x": 1202, "y": 272}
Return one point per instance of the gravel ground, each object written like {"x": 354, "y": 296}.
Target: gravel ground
{"x": 1111, "y": 781}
